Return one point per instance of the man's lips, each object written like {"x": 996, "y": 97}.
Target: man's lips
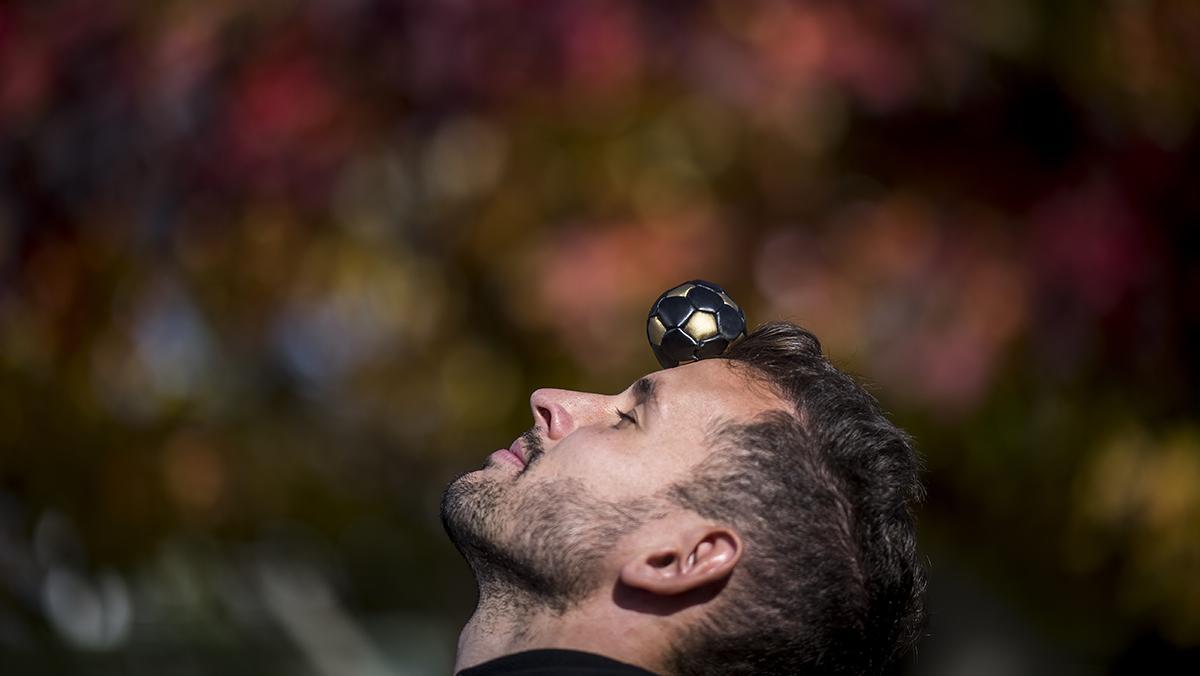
{"x": 514, "y": 454}
{"x": 518, "y": 449}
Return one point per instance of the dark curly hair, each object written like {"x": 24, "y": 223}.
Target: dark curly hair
{"x": 830, "y": 581}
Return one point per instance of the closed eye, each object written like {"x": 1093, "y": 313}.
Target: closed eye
{"x": 625, "y": 417}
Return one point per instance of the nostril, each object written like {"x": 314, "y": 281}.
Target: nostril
{"x": 545, "y": 414}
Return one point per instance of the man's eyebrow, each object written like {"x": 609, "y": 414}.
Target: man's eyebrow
{"x": 645, "y": 391}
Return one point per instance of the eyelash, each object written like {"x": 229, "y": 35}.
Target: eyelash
{"x": 624, "y": 416}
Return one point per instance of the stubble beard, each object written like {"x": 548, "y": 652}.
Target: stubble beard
{"x": 534, "y": 544}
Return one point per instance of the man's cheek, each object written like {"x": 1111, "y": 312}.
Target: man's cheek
{"x": 620, "y": 481}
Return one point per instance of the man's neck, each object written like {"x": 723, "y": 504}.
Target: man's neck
{"x": 497, "y": 629}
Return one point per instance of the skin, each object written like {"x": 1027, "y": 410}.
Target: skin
{"x": 666, "y": 573}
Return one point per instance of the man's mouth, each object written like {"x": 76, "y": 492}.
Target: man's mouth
{"x": 518, "y": 449}
{"x": 514, "y": 455}
{"x": 523, "y": 452}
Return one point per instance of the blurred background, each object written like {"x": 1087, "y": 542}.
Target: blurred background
{"x": 272, "y": 273}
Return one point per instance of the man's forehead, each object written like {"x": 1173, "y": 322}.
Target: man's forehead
{"x": 712, "y": 381}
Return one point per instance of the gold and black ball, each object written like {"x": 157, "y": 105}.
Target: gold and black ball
{"x": 695, "y": 320}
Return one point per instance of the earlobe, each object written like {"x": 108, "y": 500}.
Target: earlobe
{"x": 695, "y": 559}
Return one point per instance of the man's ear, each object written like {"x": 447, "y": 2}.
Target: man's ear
{"x": 688, "y": 560}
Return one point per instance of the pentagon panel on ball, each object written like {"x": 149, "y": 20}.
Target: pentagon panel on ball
{"x": 692, "y": 321}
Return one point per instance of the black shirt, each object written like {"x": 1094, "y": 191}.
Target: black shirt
{"x": 554, "y": 663}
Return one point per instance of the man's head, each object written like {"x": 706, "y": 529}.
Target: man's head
{"x": 759, "y": 503}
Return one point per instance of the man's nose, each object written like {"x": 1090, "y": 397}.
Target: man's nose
{"x": 559, "y": 412}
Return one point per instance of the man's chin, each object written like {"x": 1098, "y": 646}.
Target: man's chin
{"x": 469, "y": 507}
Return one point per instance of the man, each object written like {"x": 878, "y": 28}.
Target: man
{"x": 741, "y": 515}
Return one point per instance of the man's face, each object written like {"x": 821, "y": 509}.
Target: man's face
{"x": 585, "y": 475}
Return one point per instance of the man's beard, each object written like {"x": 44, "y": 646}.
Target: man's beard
{"x": 535, "y": 544}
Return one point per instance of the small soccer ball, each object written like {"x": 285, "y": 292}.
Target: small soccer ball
{"x": 695, "y": 320}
